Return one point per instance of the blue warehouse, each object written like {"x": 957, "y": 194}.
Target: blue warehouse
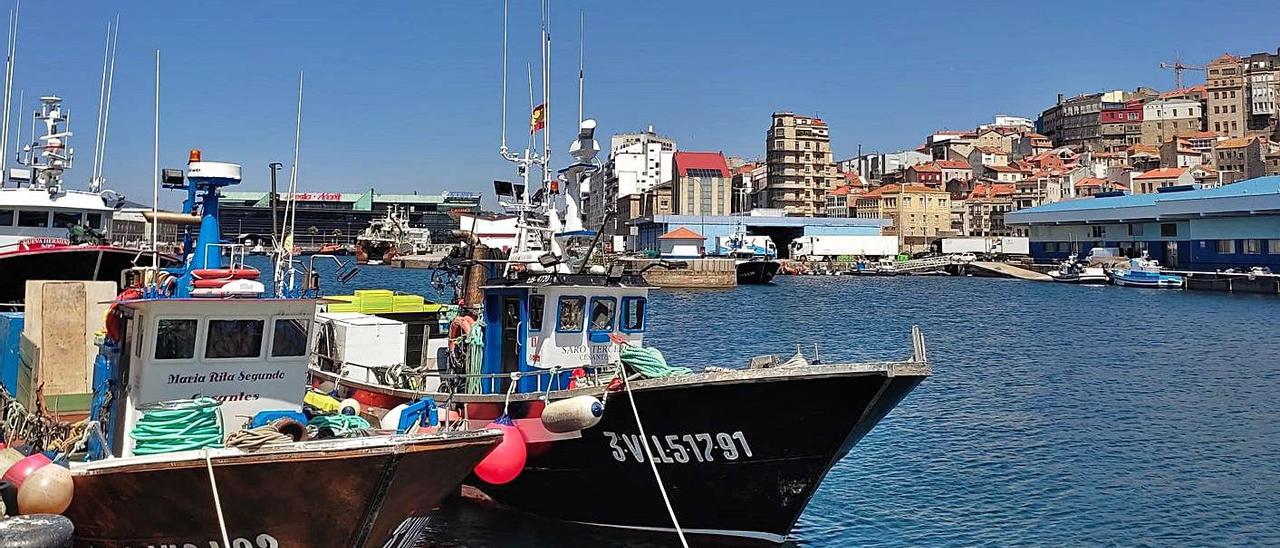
{"x": 1237, "y": 225}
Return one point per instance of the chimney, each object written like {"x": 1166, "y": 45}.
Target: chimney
{"x": 1059, "y": 98}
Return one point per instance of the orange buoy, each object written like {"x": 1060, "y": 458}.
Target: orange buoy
{"x": 46, "y": 491}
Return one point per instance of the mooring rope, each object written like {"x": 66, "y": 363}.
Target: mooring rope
{"x": 217, "y": 500}
{"x": 653, "y": 464}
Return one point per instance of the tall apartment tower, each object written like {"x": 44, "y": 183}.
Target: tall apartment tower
{"x": 1227, "y": 105}
{"x": 800, "y": 167}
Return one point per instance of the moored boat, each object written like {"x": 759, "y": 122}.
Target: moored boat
{"x": 200, "y": 432}
{"x": 1078, "y": 272}
{"x": 389, "y": 237}
{"x": 1143, "y": 272}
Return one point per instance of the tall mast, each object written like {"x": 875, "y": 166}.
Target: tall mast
{"x": 582, "y": 48}
{"x": 102, "y": 95}
{"x": 104, "y": 109}
{"x": 155, "y": 173}
{"x": 285, "y": 255}
{"x": 546, "y": 98}
{"x": 10, "y": 59}
{"x": 502, "y": 147}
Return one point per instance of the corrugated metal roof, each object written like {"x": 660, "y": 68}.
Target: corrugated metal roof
{"x": 1245, "y": 198}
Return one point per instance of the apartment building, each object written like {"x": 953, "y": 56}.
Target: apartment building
{"x": 800, "y": 167}
{"x": 702, "y": 184}
{"x": 1227, "y": 103}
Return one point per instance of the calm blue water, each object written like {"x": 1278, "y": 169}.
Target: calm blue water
{"x": 1057, "y": 415}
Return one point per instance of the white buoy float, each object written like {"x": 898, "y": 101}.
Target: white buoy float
{"x": 572, "y": 414}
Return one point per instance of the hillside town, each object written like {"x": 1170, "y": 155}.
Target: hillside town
{"x": 959, "y": 183}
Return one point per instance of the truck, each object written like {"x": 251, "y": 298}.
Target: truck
{"x": 807, "y": 248}
{"x": 989, "y": 245}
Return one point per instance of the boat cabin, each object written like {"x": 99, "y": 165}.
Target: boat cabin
{"x": 27, "y": 213}
{"x": 543, "y": 327}
{"x": 250, "y": 354}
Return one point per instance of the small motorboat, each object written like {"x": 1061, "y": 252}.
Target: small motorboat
{"x": 1143, "y": 272}
{"x": 1073, "y": 271}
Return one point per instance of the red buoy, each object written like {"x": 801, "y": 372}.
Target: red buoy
{"x": 507, "y": 459}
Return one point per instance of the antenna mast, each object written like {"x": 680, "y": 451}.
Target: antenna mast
{"x": 104, "y": 107}
{"x": 582, "y": 47}
{"x": 155, "y": 174}
{"x": 285, "y": 251}
{"x": 10, "y": 59}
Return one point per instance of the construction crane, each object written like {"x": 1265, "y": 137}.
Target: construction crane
{"x": 1178, "y": 67}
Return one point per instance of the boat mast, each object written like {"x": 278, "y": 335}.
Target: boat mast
{"x": 104, "y": 106}
{"x": 524, "y": 162}
{"x": 10, "y": 58}
{"x": 284, "y": 252}
{"x": 155, "y": 173}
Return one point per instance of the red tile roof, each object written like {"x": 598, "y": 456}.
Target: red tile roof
{"x": 1163, "y": 173}
{"x": 1090, "y": 182}
{"x": 988, "y": 150}
{"x": 682, "y": 233}
{"x": 840, "y": 190}
{"x": 926, "y": 168}
{"x": 953, "y": 164}
{"x": 1237, "y": 142}
{"x": 685, "y": 161}
{"x": 1007, "y": 169}
{"x": 992, "y": 190}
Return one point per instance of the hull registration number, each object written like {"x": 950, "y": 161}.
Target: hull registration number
{"x": 680, "y": 448}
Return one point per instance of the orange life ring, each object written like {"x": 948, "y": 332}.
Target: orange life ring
{"x": 226, "y": 273}
{"x": 459, "y": 327}
{"x": 211, "y": 283}
{"x": 114, "y": 322}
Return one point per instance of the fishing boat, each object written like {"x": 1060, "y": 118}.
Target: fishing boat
{"x": 49, "y": 232}
{"x": 389, "y": 237}
{"x": 1143, "y": 272}
{"x": 551, "y": 346}
{"x": 200, "y": 431}
{"x": 1073, "y": 271}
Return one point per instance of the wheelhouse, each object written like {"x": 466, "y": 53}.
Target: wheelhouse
{"x": 543, "y": 328}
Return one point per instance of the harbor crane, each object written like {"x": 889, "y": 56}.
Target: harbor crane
{"x": 1178, "y": 66}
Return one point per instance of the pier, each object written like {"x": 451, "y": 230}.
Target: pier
{"x": 1004, "y": 270}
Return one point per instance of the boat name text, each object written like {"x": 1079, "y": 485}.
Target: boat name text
{"x": 261, "y": 541}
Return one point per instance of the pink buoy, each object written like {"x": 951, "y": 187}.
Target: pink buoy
{"x": 22, "y": 469}
{"x": 46, "y": 491}
{"x": 507, "y": 459}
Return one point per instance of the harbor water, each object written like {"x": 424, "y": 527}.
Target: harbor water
{"x": 1057, "y": 414}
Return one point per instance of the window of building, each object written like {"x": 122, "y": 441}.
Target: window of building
{"x": 176, "y": 339}
{"x": 570, "y": 314}
{"x": 1169, "y": 230}
{"x": 1226, "y": 246}
{"x": 289, "y": 337}
{"x": 233, "y": 339}
{"x": 537, "y": 305}
{"x": 34, "y": 219}
{"x": 1252, "y": 247}
{"x": 1135, "y": 229}
{"x": 1097, "y": 231}
{"x": 1273, "y": 247}
{"x": 633, "y": 314}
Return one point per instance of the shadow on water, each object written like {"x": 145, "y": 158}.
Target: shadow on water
{"x": 1057, "y": 415}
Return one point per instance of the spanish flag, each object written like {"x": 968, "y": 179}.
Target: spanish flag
{"x": 538, "y": 119}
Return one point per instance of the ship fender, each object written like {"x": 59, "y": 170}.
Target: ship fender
{"x": 572, "y": 414}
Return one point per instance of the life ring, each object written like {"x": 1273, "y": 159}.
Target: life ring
{"x": 459, "y": 327}
{"x": 210, "y": 283}
{"x": 114, "y": 321}
{"x": 226, "y": 273}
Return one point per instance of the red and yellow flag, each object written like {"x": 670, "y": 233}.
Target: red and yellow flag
{"x": 538, "y": 119}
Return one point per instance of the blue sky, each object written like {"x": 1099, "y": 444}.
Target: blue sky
{"x": 404, "y": 96}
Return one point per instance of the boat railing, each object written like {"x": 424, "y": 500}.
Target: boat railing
{"x": 416, "y": 379}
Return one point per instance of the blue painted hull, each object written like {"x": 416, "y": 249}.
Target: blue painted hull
{"x": 1143, "y": 279}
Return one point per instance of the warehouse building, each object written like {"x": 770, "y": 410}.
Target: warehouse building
{"x": 340, "y": 216}
{"x": 1184, "y": 227}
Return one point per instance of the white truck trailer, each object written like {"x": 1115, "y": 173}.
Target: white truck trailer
{"x": 990, "y": 245}
{"x": 829, "y": 247}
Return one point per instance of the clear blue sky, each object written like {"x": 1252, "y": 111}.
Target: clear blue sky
{"x": 404, "y": 96}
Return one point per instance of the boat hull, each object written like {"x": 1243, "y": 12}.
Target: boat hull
{"x": 375, "y": 252}
{"x": 1151, "y": 282}
{"x": 757, "y": 272}
{"x": 728, "y": 470}
{"x": 731, "y": 468}
{"x": 321, "y": 497}
{"x": 88, "y": 263}
{"x": 1076, "y": 278}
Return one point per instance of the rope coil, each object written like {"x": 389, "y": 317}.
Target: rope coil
{"x": 178, "y": 425}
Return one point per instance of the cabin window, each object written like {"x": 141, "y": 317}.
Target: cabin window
{"x": 6, "y": 217}
{"x": 137, "y": 348}
{"x": 1273, "y": 247}
{"x": 289, "y": 337}
{"x": 65, "y": 219}
{"x": 570, "y": 314}
{"x": 94, "y": 220}
{"x": 602, "y": 312}
{"x": 34, "y": 219}
{"x": 233, "y": 339}
{"x": 176, "y": 339}
{"x": 537, "y": 303}
{"x": 633, "y": 314}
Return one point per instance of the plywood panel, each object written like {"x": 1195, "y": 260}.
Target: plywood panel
{"x": 62, "y": 336}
